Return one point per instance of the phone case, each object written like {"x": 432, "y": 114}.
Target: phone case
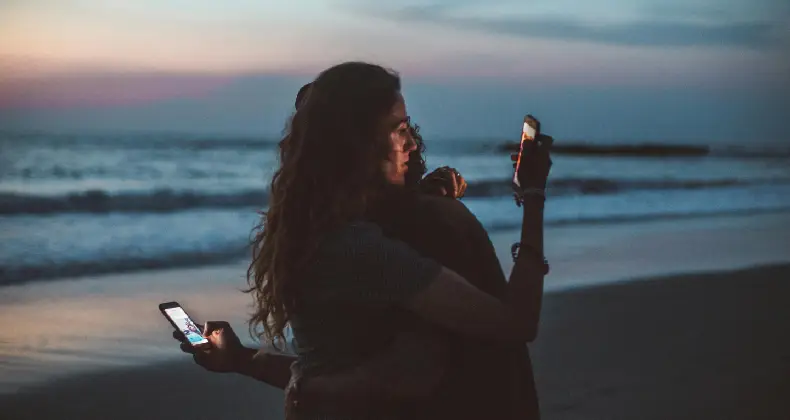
{"x": 529, "y": 132}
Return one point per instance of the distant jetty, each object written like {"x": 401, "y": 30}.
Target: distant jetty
{"x": 619, "y": 149}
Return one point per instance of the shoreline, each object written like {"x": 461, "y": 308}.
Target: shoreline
{"x": 500, "y": 236}
{"x": 32, "y": 275}
{"x": 71, "y": 326}
{"x": 606, "y": 254}
{"x": 710, "y": 345}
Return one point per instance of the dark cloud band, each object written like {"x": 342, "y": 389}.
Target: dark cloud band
{"x": 658, "y": 33}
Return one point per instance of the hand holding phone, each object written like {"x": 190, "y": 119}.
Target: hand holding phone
{"x": 183, "y": 323}
{"x": 220, "y": 350}
{"x": 532, "y": 163}
{"x": 529, "y": 132}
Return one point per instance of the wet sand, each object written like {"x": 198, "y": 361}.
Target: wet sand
{"x": 700, "y": 346}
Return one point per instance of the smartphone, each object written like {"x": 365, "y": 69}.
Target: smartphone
{"x": 182, "y": 322}
{"x": 529, "y": 132}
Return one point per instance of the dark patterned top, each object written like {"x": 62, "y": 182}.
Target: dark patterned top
{"x": 356, "y": 280}
{"x": 484, "y": 378}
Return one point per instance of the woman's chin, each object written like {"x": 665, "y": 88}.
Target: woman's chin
{"x": 397, "y": 180}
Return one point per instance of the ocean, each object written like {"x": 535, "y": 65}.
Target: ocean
{"x": 74, "y": 205}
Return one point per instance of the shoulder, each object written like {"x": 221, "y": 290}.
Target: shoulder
{"x": 360, "y": 228}
{"x": 364, "y": 243}
{"x": 349, "y": 237}
{"x": 445, "y": 211}
{"x": 449, "y": 231}
{"x": 357, "y": 263}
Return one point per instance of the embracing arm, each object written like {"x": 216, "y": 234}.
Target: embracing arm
{"x": 271, "y": 367}
{"x": 409, "y": 370}
{"x": 522, "y": 273}
{"x": 449, "y": 300}
{"x": 383, "y": 271}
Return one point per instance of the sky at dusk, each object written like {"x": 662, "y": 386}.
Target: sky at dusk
{"x": 680, "y": 70}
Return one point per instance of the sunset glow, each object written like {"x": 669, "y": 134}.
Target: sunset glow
{"x": 114, "y": 53}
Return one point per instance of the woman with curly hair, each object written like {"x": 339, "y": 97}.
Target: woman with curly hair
{"x": 320, "y": 264}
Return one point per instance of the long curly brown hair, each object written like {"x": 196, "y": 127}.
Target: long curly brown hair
{"x": 330, "y": 169}
{"x": 416, "y": 165}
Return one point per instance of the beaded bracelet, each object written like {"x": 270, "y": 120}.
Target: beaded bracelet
{"x": 519, "y": 195}
{"x": 515, "y": 251}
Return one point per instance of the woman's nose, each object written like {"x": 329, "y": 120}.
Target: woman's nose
{"x": 411, "y": 144}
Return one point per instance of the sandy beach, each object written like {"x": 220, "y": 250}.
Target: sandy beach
{"x": 706, "y": 346}
{"x": 663, "y": 320}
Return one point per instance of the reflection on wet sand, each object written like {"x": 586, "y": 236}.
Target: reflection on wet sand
{"x": 57, "y": 328}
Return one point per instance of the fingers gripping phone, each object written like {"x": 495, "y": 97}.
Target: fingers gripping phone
{"x": 183, "y": 323}
{"x": 529, "y": 132}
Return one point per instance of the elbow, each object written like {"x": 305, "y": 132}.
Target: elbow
{"x": 532, "y": 335}
{"x": 273, "y": 369}
{"x": 522, "y": 327}
{"x": 525, "y": 334}
{"x": 528, "y": 336}
{"x": 424, "y": 385}
{"x": 531, "y": 332}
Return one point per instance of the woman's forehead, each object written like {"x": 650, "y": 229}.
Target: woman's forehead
{"x": 399, "y": 109}
{"x": 398, "y": 114}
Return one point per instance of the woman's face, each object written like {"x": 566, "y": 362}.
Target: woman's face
{"x": 401, "y": 143}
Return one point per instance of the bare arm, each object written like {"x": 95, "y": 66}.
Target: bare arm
{"x": 411, "y": 368}
{"x": 526, "y": 278}
{"x": 395, "y": 376}
{"x": 273, "y": 368}
{"x": 531, "y": 241}
{"x": 407, "y": 372}
{"x": 454, "y": 303}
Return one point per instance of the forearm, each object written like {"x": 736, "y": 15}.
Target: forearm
{"x": 272, "y": 368}
{"x": 345, "y": 393}
{"x": 525, "y": 288}
{"x": 365, "y": 389}
{"x": 409, "y": 370}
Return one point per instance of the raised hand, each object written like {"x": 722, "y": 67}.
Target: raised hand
{"x": 223, "y": 352}
{"x": 444, "y": 181}
{"x": 535, "y": 162}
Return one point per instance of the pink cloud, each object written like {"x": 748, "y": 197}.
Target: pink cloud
{"x": 104, "y": 90}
